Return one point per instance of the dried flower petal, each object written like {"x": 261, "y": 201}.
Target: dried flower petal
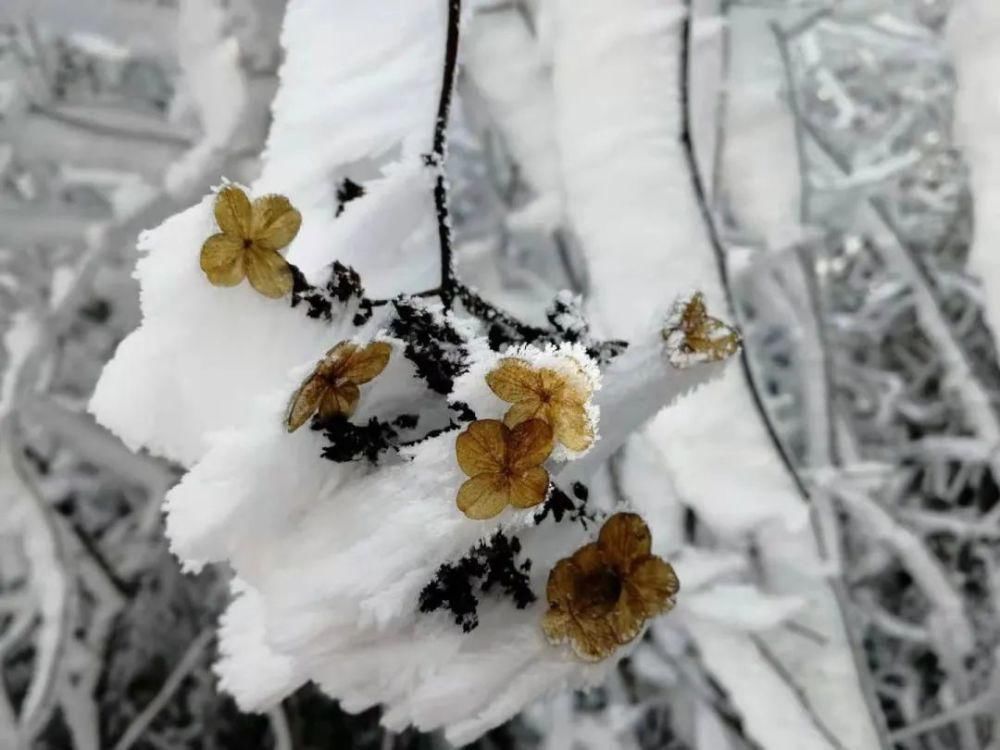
{"x": 233, "y": 213}
{"x": 693, "y": 336}
{"x": 625, "y": 538}
{"x": 529, "y": 444}
{"x": 275, "y": 222}
{"x": 504, "y": 466}
{"x": 364, "y": 364}
{"x": 530, "y": 488}
{"x": 484, "y": 496}
{"x": 222, "y": 260}
{"x": 335, "y": 359}
{"x": 340, "y": 400}
{"x": 332, "y": 388}
{"x": 601, "y": 596}
{"x": 546, "y": 394}
{"x": 305, "y": 402}
{"x": 482, "y": 447}
{"x": 651, "y": 583}
{"x": 268, "y": 272}
{"x": 513, "y": 380}
{"x": 248, "y": 243}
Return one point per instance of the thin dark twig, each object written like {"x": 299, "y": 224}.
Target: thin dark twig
{"x": 439, "y": 150}
{"x": 708, "y": 219}
{"x": 489, "y": 312}
{"x": 720, "y": 252}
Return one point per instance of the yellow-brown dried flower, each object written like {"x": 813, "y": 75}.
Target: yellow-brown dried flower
{"x": 543, "y": 393}
{"x": 601, "y": 596}
{"x": 504, "y": 466}
{"x": 248, "y": 245}
{"x": 332, "y": 388}
{"x": 694, "y": 336}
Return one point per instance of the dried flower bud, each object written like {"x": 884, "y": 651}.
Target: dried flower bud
{"x": 693, "y": 336}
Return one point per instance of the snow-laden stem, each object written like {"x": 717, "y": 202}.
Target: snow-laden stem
{"x": 637, "y": 385}
{"x": 54, "y": 587}
{"x": 439, "y": 151}
{"x": 801, "y": 695}
{"x": 950, "y": 628}
{"x": 174, "y": 680}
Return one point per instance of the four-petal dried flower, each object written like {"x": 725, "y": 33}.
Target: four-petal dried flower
{"x": 332, "y": 388}
{"x": 505, "y": 466}
{"x": 694, "y": 336}
{"x": 248, "y": 245}
{"x": 600, "y": 597}
{"x": 543, "y": 393}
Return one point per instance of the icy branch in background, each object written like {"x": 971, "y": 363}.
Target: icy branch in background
{"x": 506, "y": 67}
{"x": 974, "y": 33}
{"x": 642, "y": 196}
{"x": 215, "y": 87}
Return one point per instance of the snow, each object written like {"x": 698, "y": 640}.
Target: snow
{"x": 22, "y": 332}
{"x": 741, "y": 607}
{"x": 507, "y": 69}
{"x": 169, "y": 384}
{"x": 194, "y": 368}
{"x": 212, "y": 83}
{"x": 761, "y": 162}
{"x": 771, "y": 711}
{"x": 330, "y": 558}
{"x": 973, "y": 35}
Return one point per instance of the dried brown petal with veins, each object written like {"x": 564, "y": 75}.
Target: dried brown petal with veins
{"x": 504, "y": 466}
{"x": 247, "y": 245}
{"x": 602, "y": 595}
{"x": 694, "y": 336}
{"x": 332, "y": 388}
{"x": 547, "y": 394}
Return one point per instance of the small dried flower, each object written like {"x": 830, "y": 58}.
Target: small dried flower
{"x": 505, "y": 466}
{"x": 600, "y": 597}
{"x": 248, "y": 245}
{"x": 693, "y": 336}
{"x": 542, "y": 393}
{"x": 332, "y": 389}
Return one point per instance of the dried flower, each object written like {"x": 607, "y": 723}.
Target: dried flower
{"x": 693, "y": 336}
{"x": 505, "y": 466}
{"x": 542, "y": 393}
{"x": 332, "y": 388}
{"x": 248, "y": 245}
{"x": 600, "y": 597}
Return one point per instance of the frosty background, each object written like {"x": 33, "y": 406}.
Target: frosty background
{"x": 831, "y": 505}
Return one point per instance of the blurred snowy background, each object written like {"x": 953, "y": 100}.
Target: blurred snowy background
{"x": 834, "y": 152}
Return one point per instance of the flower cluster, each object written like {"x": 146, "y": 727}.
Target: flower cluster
{"x": 599, "y": 597}
{"x": 503, "y": 460}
